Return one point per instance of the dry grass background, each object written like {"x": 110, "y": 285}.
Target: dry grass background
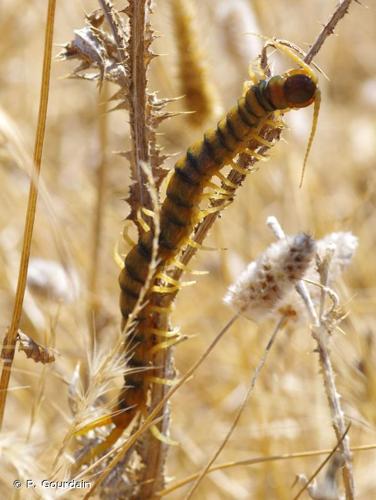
{"x": 288, "y": 411}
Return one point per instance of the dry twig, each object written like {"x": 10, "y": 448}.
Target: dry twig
{"x": 282, "y": 322}
{"x": 11, "y": 336}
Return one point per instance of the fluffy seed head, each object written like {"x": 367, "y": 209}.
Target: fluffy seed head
{"x": 344, "y": 245}
{"x": 263, "y": 286}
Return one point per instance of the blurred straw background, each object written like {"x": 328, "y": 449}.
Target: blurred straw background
{"x": 288, "y": 411}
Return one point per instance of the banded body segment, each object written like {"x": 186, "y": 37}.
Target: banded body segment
{"x": 179, "y": 211}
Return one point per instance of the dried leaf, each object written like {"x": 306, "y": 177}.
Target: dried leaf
{"x": 33, "y": 350}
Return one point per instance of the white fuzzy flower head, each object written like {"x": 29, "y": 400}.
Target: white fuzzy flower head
{"x": 344, "y": 246}
{"x": 263, "y": 286}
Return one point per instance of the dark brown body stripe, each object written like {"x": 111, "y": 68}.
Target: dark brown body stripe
{"x": 178, "y": 200}
{"x": 133, "y": 273}
{"x": 136, "y": 363}
{"x": 166, "y": 245}
{"x": 174, "y": 220}
{"x": 185, "y": 177}
{"x": 193, "y": 161}
{"x": 210, "y": 151}
{"x": 263, "y": 100}
{"x": 144, "y": 251}
{"x": 244, "y": 115}
{"x": 128, "y": 291}
{"x": 133, "y": 383}
{"x": 222, "y": 138}
{"x": 232, "y": 130}
{"x": 137, "y": 338}
{"x": 249, "y": 108}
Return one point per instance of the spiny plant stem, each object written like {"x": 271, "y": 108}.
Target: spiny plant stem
{"x": 10, "y": 339}
{"x": 328, "y": 29}
{"x": 108, "y": 10}
{"x": 137, "y": 90}
{"x": 320, "y": 334}
{"x": 153, "y": 477}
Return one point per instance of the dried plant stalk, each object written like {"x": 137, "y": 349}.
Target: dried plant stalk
{"x": 10, "y": 339}
{"x": 320, "y": 333}
{"x": 323, "y": 323}
{"x": 193, "y": 78}
{"x": 341, "y": 10}
{"x": 251, "y": 386}
{"x": 258, "y": 460}
{"x": 137, "y": 64}
{"x": 97, "y": 231}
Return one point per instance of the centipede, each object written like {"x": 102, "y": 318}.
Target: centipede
{"x": 179, "y": 213}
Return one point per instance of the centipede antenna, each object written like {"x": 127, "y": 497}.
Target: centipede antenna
{"x": 316, "y": 110}
{"x": 302, "y": 53}
{"x": 293, "y": 53}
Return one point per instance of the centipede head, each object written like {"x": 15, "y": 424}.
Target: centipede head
{"x": 297, "y": 88}
{"x": 292, "y": 90}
